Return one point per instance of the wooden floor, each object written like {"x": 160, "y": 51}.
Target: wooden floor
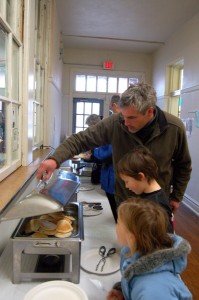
{"x": 187, "y": 225}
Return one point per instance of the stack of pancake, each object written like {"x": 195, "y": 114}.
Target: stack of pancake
{"x": 55, "y": 224}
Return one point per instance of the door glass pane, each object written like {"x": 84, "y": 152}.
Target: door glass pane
{"x": 96, "y": 108}
{"x": 15, "y": 132}
{"x": 2, "y": 134}
{"x": 112, "y": 85}
{"x": 3, "y": 63}
{"x": 79, "y": 121}
{"x": 80, "y": 83}
{"x": 101, "y": 84}
{"x": 91, "y": 84}
{"x": 88, "y": 107}
{"x": 122, "y": 85}
{"x": 15, "y": 71}
{"x": 80, "y": 108}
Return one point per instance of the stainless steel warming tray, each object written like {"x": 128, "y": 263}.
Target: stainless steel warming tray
{"x": 48, "y": 257}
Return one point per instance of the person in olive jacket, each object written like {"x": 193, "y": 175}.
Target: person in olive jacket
{"x": 140, "y": 122}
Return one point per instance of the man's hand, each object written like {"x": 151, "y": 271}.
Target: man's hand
{"x": 115, "y": 295}
{"x": 174, "y": 205}
{"x": 46, "y": 168}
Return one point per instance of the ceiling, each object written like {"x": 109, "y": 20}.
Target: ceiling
{"x": 122, "y": 25}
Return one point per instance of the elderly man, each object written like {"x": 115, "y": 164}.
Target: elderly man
{"x": 140, "y": 122}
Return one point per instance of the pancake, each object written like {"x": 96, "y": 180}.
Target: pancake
{"x": 32, "y": 225}
{"x": 63, "y": 235}
{"x": 39, "y": 235}
{"x": 47, "y": 232}
{"x": 57, "y": 215}
{"x": 47, "y": 225}
{"x": 69, "y": 218}
{"x": 64, "y": 226}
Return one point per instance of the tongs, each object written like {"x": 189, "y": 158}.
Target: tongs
{"x": 42, "y": 183}
{"x": 92, "y": 205}
{"x": 102, "y": 252}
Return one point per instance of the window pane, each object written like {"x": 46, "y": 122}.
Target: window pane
{"x": 122, "y": 86}
{"x": 42, "y": 85}
{"x": 15, "y": 71}
{"x": 80, "y": 108}
{"x": 11, "y": 13}
{"x": 133, "y": 81}
{"x": 88, "y": 107}
{"x": 80, "y": 83}
{"x": 8, "y": 11}
{"x": 37, "y": 83}
{"x": 3, "y": 63}
{"x": 91, "y": 84}
{"x": 36, "y": 118}
{"x": 15, "y": 132}
{"x": 2, "y": 134}
{"x": 101, "y": 83}
{"x": 112, "y": 85}
{"x": 96, "y": 108}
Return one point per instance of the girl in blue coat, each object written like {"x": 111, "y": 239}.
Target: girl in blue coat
{"x": 151, "y": 259}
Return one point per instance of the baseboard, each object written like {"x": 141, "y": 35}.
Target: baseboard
{"x": 191, "y": 204}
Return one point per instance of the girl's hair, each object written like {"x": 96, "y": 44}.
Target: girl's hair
{"x": 148, "y": 222}
{"x": 136, "y": 161}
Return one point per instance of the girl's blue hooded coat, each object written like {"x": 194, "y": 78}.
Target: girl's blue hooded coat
{"x": 156, "y": 276}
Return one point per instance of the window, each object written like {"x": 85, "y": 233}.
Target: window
{"x": 103, "y": 84}
{"x": 40, "y": 63}
{"x": 175, "y": 80}
{"x": 82, "y": 108}
{"x": 10, "y": 87}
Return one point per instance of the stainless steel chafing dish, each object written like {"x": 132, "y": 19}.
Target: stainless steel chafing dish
{"x": 52, "y": 257}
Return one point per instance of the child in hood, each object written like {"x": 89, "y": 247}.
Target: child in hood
{"x": 151, "y": 258}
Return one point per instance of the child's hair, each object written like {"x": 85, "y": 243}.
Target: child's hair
{"x": 148, "y": 222}
{"x": 138, "y": 160}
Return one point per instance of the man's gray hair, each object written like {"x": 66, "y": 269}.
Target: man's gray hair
{"x": 141, "y": 96}
{"x": 92, "y": 119}
{"x": 115, "y": 99}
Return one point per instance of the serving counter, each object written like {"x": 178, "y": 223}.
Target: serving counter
{"x": 98, "y": 230}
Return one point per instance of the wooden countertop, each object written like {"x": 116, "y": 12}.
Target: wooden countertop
{"x": 11, "y": 184}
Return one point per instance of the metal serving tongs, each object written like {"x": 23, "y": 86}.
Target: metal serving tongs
{"x": 42, "y": 183}
{"x": 102, "y": 252}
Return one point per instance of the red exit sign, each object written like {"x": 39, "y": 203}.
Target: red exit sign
{"x": 108, "y": 65}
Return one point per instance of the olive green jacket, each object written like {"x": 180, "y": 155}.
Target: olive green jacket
{"x": 168, "y": 144}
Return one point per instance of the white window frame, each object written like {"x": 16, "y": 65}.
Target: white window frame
{"x": 11, "y": 165}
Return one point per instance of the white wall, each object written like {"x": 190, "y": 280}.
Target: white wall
{"x": 184, "y": 44}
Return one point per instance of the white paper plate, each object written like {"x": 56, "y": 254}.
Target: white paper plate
{"x": 56, "y": 289}
{"x": 90, "y": 258}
